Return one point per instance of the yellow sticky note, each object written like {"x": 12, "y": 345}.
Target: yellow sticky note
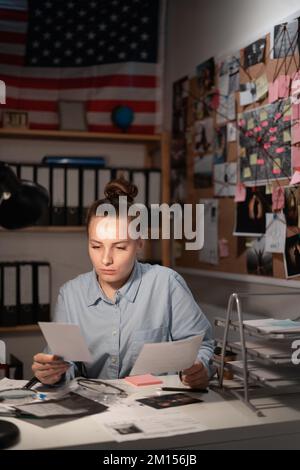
{"x": 287, "y": 136}
{"x": 250, "y": 124}
{"x": 253, "y": 159}
{"x": 263, "y": 115}
{"x": 277, "y": 163}
{"x": 242, "y": 152}
{"x": 247, "y": 173}
{"x": 287, "y": 110}
{"x": 269, "y": 188}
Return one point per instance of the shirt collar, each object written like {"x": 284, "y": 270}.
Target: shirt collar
{"x": 128, "y": 290}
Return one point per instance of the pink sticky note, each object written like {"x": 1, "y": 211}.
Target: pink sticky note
{"x": 276, "y": 171}
{"x": 273, "y": 129}
{"x": 284, "y": 82}
{"x": 242, "y": 122}
{"x": 267, "y": 146}
{"x": 223, "y": 248}
{"x": 296, "y": 112}
{"x": 240, "y": 192}
{"x": 260, "y": 161}
{"x": 278, "y": 198}
{"x": 273, "y": 91}
{"x": 295, "y": 156}
{"x": 273, "y": 138}
{"x": 296, "y": 178}
{"x": 257, "y": 129}
{"x": 280, "y": 150}
{"x": 278, "y": 116}
{"x": 142, "y": 380}
{"x": 265, "y": 123}
{"x": 296, "y": 133}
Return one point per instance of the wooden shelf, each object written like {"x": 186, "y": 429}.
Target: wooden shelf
{"x": 79, "y": 135}
{"x": 19, "y": 329}
{"x": 47, "y": 229}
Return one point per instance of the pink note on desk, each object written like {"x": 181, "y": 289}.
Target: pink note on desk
{"x": 142, "y": 380}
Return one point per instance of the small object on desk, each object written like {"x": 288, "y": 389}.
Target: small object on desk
{"x": 34, "y": 380}
{"x": 181, "y": 389}
{"x": 168, "y": 401}
{"x": 142, "y": 380}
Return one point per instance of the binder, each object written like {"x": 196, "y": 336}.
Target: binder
{"x": 27, "y": 172}
{"x": 42, "y": 291}
{"x": 139, "y": 178}
{"x": 154, "y": 185}
{"x": 58, "y": 196}
{"x": 9, "y": 294}
{"x": 88, "y": 191}
{"x": 43, "y": 178}
{"x": 104, "y": 176}
{"x": 72, "y": 191}
{"x": 25, "y": 308}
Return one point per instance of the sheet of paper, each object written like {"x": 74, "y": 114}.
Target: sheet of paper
{"x": 74, "y": 349}
{"x": 296, "y": 178}
{"x": 171, "y": 356}
{"x": 273, "y": 91}
{"x": 9, "y": 384}
{"x": 262, "y": 87}
{"x": 160, "y": 425}
{"x": 240, "y": 193}
{"x": 295, "y": 156}
{"x": 272, "y": 325}
{"x": 275, "y": 233}
{"x": 278, "y": 198}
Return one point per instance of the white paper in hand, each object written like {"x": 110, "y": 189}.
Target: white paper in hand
{"x": 172, "y": 356}
{"x": 65, "y": 340}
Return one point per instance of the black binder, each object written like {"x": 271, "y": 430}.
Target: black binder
{"x": 25, "y": 294}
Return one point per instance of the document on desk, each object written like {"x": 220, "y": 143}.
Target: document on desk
{"x": 171, "y": 356}
{"x": 156, "y": 425}
{"x": 74, "y": 349}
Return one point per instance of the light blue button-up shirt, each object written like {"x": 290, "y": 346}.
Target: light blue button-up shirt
{"x": 154, "y": 305}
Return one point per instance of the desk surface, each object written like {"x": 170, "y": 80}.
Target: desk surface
{"x": 230, "y": 425}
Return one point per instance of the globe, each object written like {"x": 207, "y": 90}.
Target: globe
{"x": 122, "y": 117}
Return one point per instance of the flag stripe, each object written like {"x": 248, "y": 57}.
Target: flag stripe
{"x": 84, "y": 82}
{"x": 10, "y": 37}
{"x": 11, "y": 59}
{"x": 15, "y": 15}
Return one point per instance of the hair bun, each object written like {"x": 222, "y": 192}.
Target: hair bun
{"x": 120, "y": 187}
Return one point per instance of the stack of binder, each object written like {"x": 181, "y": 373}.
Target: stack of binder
{"x": 73, "y": 189}
{"x": 24, "y": 292}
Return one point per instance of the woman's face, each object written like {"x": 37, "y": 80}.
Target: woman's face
{"x": 112, "y": 255}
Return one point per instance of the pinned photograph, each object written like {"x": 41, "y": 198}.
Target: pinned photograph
{"x": 251, "y": 213}
{"x": 206, "y": 75}
{"x": 259, "y": 262}
{"x": 255, "y": 53}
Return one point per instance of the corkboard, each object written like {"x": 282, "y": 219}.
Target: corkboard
{"x": 236, "y": 262}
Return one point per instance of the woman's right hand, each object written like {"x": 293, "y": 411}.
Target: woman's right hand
{"x": 49, "y": 368}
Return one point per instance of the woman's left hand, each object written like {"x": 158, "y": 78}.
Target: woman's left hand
{"x": 196, "y": 376}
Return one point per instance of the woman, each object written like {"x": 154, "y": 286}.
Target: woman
{"x": 122, "y": 304}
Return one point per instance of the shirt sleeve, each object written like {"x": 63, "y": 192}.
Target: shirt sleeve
{"x": 187, "y": 319}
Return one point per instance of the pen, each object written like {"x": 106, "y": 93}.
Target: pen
{"x": 178, "y": 389}
{"x": 30, "y": 383}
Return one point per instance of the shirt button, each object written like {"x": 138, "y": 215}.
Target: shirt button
{"x": 113, "y": 360}
{"x": 114, "y": 332}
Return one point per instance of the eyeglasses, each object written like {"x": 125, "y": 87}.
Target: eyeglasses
{"x": 102, "y": 387}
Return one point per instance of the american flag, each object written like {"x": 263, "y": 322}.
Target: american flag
{"x": 104, "y": 53}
